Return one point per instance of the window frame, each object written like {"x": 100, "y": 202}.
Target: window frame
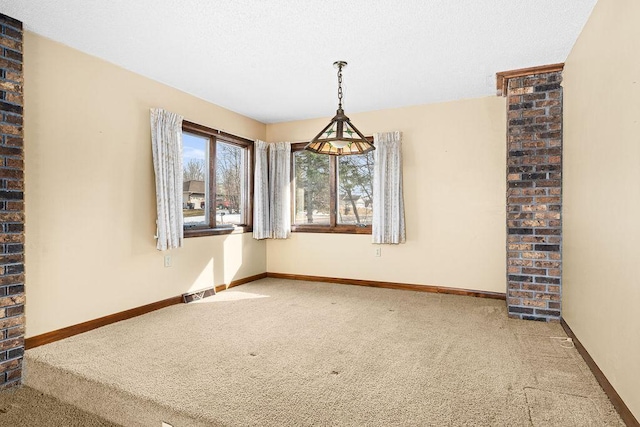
{"x": 333, "y": 226}
{"x": 214, "y": 135}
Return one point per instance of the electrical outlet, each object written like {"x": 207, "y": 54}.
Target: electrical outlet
{"x": 378, "y": 252}
{"x": 167, "y": 260}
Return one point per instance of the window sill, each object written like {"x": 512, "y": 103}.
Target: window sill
{"x": 200, "y": 232}
{"x": 339, "y": 229}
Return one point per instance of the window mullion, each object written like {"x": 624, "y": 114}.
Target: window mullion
{"x": 213, "y": 197}
{"x": 333, "y": 174}
{"x": 248, "y": 193}
{"x": 292, "y": 181}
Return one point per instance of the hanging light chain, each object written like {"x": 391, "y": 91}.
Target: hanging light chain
{"x": 331, "y": 140}
{"x": 340, "y": 86}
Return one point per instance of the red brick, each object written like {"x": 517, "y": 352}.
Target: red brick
{"x": 13, "y": 76}
{"x": 15, "y": 184}
{"x": 11, "y": 238}
{"x": 520, "y": 247}
{"x": 14, "y": 375}
{"x": 537, "y": 271}
{"x": 10, "y": 365}
{"x": 534, "y": 181}
{"x": 534, "y": 255}
{"x": 11, "y": 216}
{"x": 10, "y": 43}
{"x": 9, "y": 322}
{"x": 14, "y": 163}
{"x": 11, "y": 343}
{"x": 15, "y": 98}
{"x": 520, "y": 294}
{"x": 521, "y": 262}
{"x": 15, "y": 206}
{"x": 533, "y": 287}
{"x": 12, "y": 318}
{"x": 12, "y": 300}
{"x": 533, "y": 239}
{"x": 16, "y": 331}
{"x": 534, "y": 303}
{"x": 534, "y": 113}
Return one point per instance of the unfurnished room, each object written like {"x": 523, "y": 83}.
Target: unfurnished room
{"x": 319, "y": 213}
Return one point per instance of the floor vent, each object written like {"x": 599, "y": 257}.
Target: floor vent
{"x": 198, "y": 295}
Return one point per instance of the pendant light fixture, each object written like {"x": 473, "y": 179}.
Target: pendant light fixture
{"x": 340, "y": 137}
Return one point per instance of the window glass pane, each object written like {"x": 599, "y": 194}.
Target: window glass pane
{"x": 311, "y": 194}
{"x": 231, "y": 184}
{"x": 355, "y": 189}
{"x": 195, "y": 176}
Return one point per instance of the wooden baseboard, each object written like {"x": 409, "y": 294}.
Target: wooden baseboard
{"x": 70, "y": 331}
{"x": 392, "y": 285}
{"x": 613, "y": 395}
{"x": 239, "y": 282}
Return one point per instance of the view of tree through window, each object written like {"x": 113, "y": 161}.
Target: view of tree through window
{"x": 312, "y": 195}
{"x": 332, "y": 193}
{"x": 230, "y": 183}
{"x": 355, "y": 189}
{"x": 217, "y": 181}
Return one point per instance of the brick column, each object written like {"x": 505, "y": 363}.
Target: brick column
{"x": 534, "y": 196}
{"x": 11, "y": 204}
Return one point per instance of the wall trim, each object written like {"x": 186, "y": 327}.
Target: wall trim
{"x": 72, "y": 330}
{"x": 612, "y": 394}
{"x": 89, "y": 325}
{"x": 391, "y": 285}
{"x": 242, "y": 281}
{"x": 502, "y": 77}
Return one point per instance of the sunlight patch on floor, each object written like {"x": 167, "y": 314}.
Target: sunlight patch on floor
{"x": 229, "y": 296}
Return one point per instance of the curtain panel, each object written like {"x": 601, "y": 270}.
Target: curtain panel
{"x": 388, "y": 225}
{"x": 261, "y": 223}
{"x": 280, "y": 189}
{"x": 166, "y": 143}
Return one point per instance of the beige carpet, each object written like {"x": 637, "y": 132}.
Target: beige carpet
{"x": 277, "y": 352}
{"x": 27, "y": 407}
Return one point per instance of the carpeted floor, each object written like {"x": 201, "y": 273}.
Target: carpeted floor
{"x": 290, "y": 353}
{"x": 26, "y": 407}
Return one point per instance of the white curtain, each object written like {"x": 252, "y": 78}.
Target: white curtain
{"x": 261, "y": 223}
{"x": 388, "y": 204}
{"x": 166, "y": 142}
{"x": 280, "y": 189}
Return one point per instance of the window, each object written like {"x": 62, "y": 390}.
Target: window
{"x": 217, "y": 181}
{"x": 331, "y": 194}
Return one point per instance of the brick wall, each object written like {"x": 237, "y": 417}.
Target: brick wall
{"x": 11, "y": 204}
{"x": 534, "y": 196}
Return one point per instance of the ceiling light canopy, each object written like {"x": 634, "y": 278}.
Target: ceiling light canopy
{"x": 340, "y": 137}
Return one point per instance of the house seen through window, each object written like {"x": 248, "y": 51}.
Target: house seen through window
{"x": 216, "y": 181}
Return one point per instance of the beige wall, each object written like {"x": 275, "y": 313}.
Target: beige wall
{"x": 601, "y": 294}
{"x": 90, "y": 194}
{"x": 90, "y": 200}
{"x": 454, "y": 179}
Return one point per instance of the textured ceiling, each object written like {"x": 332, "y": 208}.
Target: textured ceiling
{"x": 272, "y": 59}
